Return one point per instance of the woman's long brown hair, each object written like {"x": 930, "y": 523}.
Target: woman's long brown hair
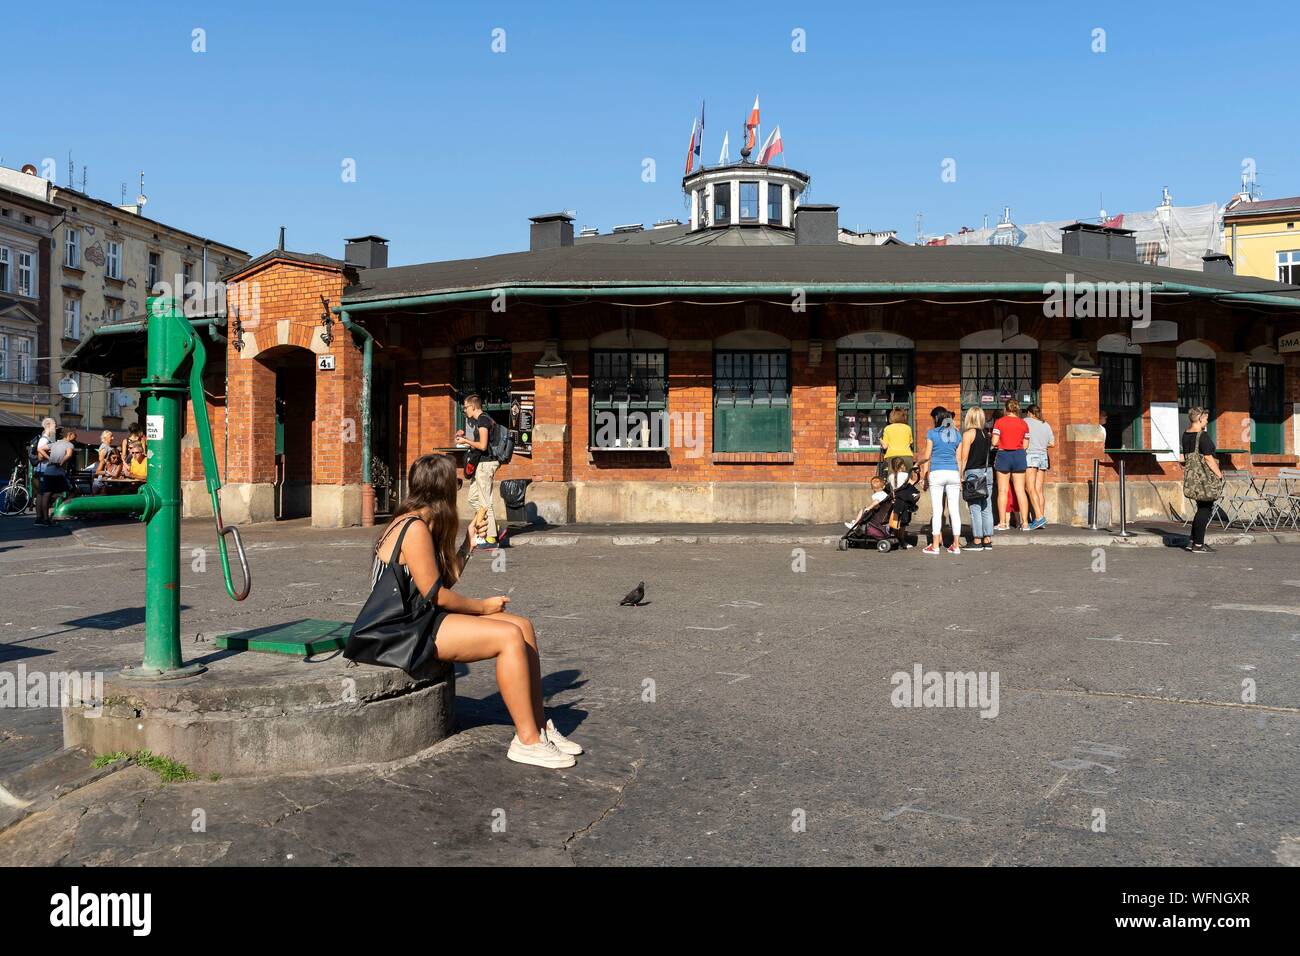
{"x": 431, "y": 491}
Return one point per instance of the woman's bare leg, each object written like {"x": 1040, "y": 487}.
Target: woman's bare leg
{"x": 1003, "y": 517}
{"x": 534, "y": 660}
{"x": 1022, "y": 496}
{"x": 467, "y": 638}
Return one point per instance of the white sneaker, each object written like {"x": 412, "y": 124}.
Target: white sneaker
{"x": 540, "y": 754}
{"x": 562, "y": 743}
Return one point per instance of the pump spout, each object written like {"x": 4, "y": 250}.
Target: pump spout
{"x": 140, "y": 505}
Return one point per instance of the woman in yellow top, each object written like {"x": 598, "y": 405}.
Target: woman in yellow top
{"x": 896, "y": 441}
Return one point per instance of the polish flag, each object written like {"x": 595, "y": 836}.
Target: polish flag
{"x": 751, "y": 125}
{"x": 772, "y": 147}
{"x": 691, "y": 150}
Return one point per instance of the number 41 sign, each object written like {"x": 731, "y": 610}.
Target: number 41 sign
{"x": 325, "y": 363}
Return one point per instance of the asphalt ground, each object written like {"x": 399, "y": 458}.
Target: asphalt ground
{"x": 1147, "y": 708}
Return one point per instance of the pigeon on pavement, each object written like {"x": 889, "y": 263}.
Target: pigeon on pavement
{"x": 634, "y": 597}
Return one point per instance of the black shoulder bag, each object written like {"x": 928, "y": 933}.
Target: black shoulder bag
{"x": 976, "y": 487}
{"x": 395, "y": 627}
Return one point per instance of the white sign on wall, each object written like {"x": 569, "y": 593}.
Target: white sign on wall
{"x": 1289, "y": 343}
{"x": 1164, "y": 430}
{"x": 325, "y": 363}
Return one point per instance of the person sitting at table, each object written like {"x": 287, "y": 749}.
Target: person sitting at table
{"x": 137, "y": 467}
{"x": 112, "y": 470}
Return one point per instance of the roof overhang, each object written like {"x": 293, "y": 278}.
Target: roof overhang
{"x": 112, "y": 349}
{"x": 602, "y": 290}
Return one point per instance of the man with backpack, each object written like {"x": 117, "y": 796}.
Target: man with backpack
{"x": 489, "y": 447}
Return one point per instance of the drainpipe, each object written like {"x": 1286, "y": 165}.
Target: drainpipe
{"x": 367, "y": 357}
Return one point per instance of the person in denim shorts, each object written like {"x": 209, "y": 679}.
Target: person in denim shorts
{"x": 1041, "y": 438}
{"x": 1010, "y": 436}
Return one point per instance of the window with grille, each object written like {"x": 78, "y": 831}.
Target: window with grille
{"x": 751, "y": 401}
{"x": 1195, "y": 389}
{"x": 628, "y": 391}
{"x": 1266, "y": 408}
{"x": 869, "y": 384}
{"x": 990, "y": 378}
{"x": 1120, "y": 399}
{"x": 483, "y": 369}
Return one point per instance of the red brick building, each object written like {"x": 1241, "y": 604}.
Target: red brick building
{"x": 734, "y": 368}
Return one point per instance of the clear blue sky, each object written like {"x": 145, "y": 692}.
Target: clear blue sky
{"x": 455, "y": 146}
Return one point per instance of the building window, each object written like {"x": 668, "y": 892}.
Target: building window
{"x": 155, "y": 271}
{"x": 1120, "y": 399}
{"x": 629, "y": 398}
{"x": 6, "y": 270}
{"x": 483, "y": 369}
{"x": 870, "y": 384}
{"x": 26, "y": 274}
{"x": 114, "y": 313}
{"x": 721, "y": 204}
{"x": 72, "y": 248}
{"x": 4, "y": 357}
{"x": 23, "y": 346}
{"x": 751, "y": 401}
{"x": 1195, "y": 388}
{"x": 775, "y": 205}
{"x": 1266, "y": 408}
{"x": 1288, "y": 267}
{"x": 187, "y": 276}
{"x": 72, "y": 319}
{"x": 113, "y": 264}
{"x": 749, "y": 202}
{"x": 990, "y": 378}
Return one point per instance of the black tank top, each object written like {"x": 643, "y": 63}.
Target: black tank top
{"x": 978, "y": 456}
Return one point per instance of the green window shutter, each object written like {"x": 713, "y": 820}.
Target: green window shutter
{"x": 751, "y": 429}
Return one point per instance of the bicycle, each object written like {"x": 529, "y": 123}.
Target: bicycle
{"x": 16, "y": 496}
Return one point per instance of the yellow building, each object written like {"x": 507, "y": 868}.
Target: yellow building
{"x": 1263, "y": 237}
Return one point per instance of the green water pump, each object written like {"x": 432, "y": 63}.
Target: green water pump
{"x": 172, "y": 342}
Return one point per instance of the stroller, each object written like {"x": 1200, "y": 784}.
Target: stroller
{"x": 874, "y": 531}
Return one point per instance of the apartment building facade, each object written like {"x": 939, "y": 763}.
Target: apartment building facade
{"x": 27, "y": 217}
{"x": 107, "y": 258}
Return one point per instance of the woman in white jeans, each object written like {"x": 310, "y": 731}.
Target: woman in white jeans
{"x": 941, "y": 473}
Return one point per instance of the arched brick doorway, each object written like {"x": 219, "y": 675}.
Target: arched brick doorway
{"x": 295, "y": 428}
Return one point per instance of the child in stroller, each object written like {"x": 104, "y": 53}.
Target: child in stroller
{"x": 883, "y": 523}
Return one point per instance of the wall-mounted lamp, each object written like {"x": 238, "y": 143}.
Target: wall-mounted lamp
{"x": 326, "y": 322}
{"x": 237, "y": 332}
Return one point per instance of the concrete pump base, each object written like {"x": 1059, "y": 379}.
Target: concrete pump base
{"x": 253, "y": 713}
